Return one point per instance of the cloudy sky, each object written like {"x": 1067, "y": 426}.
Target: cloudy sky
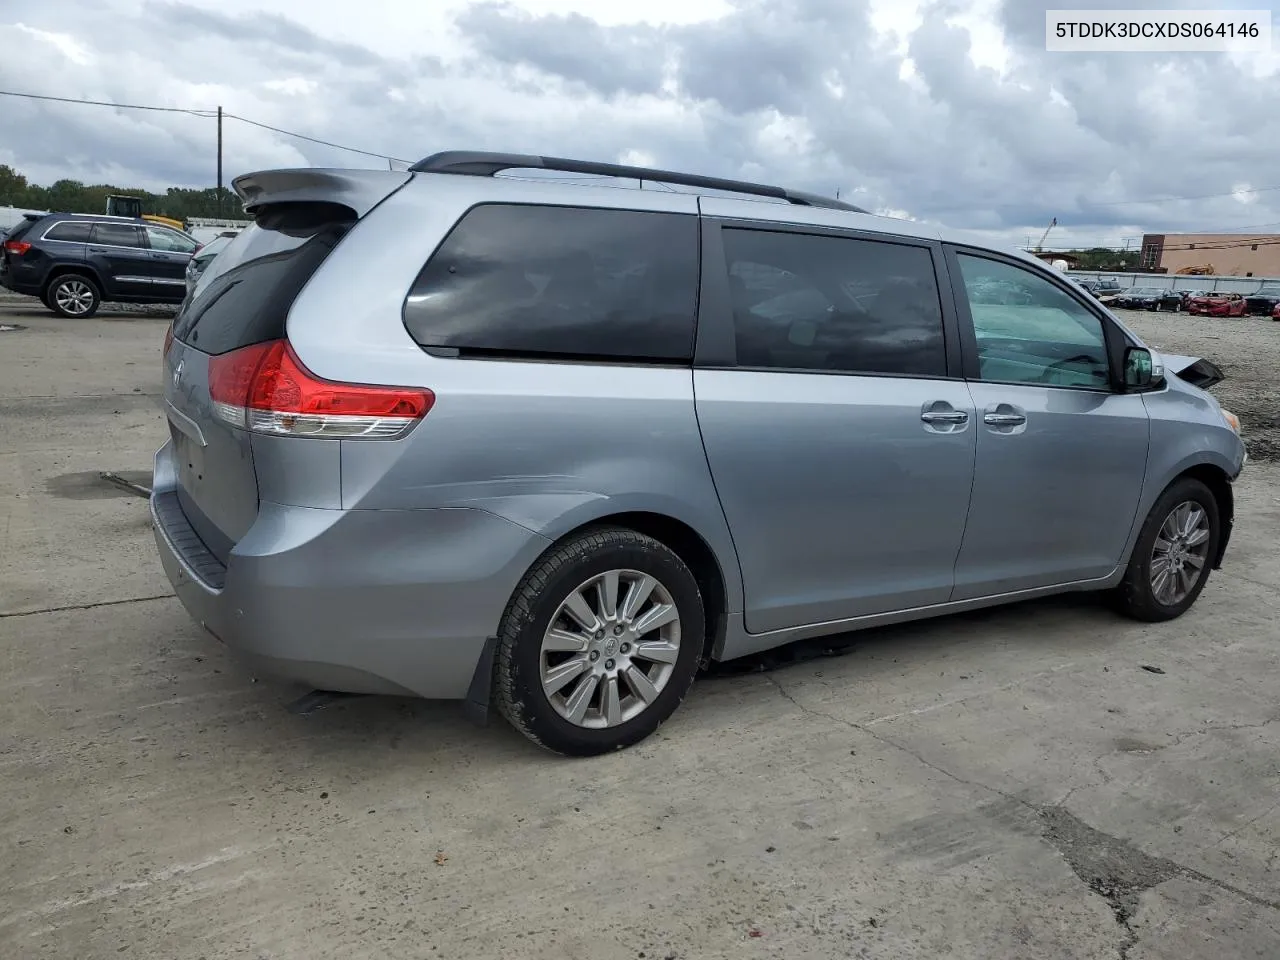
{"x": 943, "y": 110}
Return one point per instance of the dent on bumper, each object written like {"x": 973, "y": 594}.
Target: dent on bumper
{"x": 364, "y": 601}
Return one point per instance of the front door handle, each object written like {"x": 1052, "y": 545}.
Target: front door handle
{"x": 1004, "y": 419}
{"x": 944, "y": 416}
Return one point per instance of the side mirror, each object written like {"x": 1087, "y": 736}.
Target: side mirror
{"x": 1139, "y": 368}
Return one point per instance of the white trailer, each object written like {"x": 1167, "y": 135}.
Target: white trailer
{"x": 204, "y": 229}
{"x": 10, "y": 217}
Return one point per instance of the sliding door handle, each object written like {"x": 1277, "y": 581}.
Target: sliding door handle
{"x": 1004, "y": 419}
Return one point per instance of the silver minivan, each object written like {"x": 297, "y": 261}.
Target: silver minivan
{"x": 550, "y": 447}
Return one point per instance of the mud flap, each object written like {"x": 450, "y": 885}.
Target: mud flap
{"x": 476, "y": 706}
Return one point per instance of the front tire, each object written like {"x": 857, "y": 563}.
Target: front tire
{"x": 73, "y": 296}
{"x": 1174, "y": 553}
{"x": 600, "y": 643}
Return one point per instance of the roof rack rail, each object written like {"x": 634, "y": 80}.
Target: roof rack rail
{"x": 484, "y": 164}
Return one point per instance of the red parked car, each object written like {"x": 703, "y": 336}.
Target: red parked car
{"x": 1275, "y": 312}
{"x": 1217, "y": 305}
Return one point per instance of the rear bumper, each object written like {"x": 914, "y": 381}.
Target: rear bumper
{"x": 20, "y": 283}
{"x": 360, "y": 601}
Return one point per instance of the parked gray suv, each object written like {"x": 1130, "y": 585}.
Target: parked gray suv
{"x": 550, "y": 446}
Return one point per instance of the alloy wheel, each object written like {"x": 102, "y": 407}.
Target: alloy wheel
{"x": 1180, "y": 551}
{"x": 74, "y": 297}
{"x": 610, "y": 649}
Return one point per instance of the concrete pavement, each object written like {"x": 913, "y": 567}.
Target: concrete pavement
{"x": 1007, "y": 784}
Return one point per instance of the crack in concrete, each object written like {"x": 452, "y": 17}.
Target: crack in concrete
{"x": 1211, "y": 727}
{"x": 889, "y": 742}
{"x": 84, "y": 606}
{"x": 1109, "y": 866}
{"x": 1247, "y": 824}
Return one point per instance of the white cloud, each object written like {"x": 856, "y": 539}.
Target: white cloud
{"x": 292, "y": 86}
{"x": 64, "y": 43}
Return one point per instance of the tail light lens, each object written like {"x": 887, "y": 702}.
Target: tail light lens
{"x": 168, "y": 340}
{"x": 16, "y": 246}
{"x": 266, "y": 389}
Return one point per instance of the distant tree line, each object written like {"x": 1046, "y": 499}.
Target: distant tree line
{"x": 72, "y": 196}
{"x": 1100, "y": 258}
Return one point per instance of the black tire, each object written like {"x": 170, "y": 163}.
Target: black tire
{"x": 73, "y": 288}
{"x": 518, "y": 690}
{"x": 1135, "y": 596}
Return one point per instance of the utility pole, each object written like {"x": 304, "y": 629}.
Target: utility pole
{"x": 219, "y": 161}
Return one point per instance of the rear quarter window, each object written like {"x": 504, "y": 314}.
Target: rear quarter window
{"x": 69, "y": 231}
{"x": 531, "y": 282}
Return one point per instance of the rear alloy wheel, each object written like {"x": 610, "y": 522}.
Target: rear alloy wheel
{"x": 73, "y": 296}
{"x": 600, "y": 643}
{"x": 1174, "y": 553}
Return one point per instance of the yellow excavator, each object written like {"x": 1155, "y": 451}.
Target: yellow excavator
{"x": 121, "y": 206}
{"x": 1200, "y": 270}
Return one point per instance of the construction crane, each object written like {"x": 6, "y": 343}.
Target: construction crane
{"x": 1044, "y": 236}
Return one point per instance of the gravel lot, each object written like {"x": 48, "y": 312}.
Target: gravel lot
{"x": 1247, "y": 350}
{"x": 1043, "y": 781}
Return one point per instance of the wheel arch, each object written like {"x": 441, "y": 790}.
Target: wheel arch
{"x": 686, "y": 543}
{"x": 83, "y": 270}
{"x": 1219, "y": 484}
{"x": 679, "y": 537}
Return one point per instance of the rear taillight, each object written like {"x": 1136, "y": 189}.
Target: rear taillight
{"x": 168, "y": 340}
{"x": 266, "y": 389}
{"x": 16, "y": 246}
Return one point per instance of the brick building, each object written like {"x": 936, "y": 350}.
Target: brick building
{"x": 1230, "y": 254}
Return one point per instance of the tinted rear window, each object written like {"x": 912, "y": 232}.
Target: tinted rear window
{"x": 245, "y": 295}
{"x": 72, "y": 232}
{"x": 561, "y": 283}
{"x": 17, "y": 232}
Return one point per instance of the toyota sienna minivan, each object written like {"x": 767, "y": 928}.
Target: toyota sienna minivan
{"x": 550, "y": 446}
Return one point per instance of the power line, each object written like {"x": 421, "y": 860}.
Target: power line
{"x": 107, "y": 103}
{"x": 323, "y": 143}
{"x": 205, "y": 114}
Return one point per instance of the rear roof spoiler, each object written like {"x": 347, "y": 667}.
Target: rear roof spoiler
{"x": 357, "y": 190}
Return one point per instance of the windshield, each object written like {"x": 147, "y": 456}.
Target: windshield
{"x": 1146, "y": 292}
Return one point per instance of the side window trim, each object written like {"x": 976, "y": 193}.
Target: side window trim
{"x": 716, "y": 344}
{"x": 1113, "y": 337}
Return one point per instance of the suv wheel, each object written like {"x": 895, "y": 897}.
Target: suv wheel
{"x": 1171, "y": 560}
{"x": 599, "y": 644}
{"x": 74, "y": 296}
